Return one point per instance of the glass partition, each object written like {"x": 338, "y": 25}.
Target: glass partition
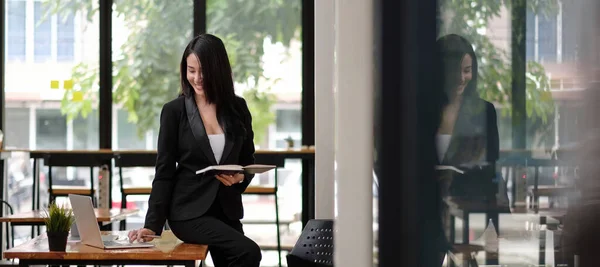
{"x": 45, "y": 44}
{"x": 265, "y": 46}
{"x": 510, "y": 97}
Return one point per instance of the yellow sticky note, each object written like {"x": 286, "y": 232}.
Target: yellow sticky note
{"x": 77, "y": 96}
{"x": 54, "y": 84}
{"x": 68, "y": 85}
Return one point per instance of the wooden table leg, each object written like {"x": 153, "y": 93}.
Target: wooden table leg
{"x": 35, "y": 194}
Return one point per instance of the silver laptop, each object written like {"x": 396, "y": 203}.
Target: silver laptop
{"x": 89, "y": 231}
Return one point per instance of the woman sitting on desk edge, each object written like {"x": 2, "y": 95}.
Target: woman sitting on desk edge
{"x": 206, "y": 125}
{"x": 467, "y": 137}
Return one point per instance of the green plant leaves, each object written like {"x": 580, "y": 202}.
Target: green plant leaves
{"x": 146, "y": 66}
{"x": 58, "y": 219}
{"x": 471, "y": 19}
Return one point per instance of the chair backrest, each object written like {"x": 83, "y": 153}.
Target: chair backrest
{"x": 138, "y": 159}
{"x": 270, "y": 159}
{"x": 89, "y": 159}
{"x": 315, "y": 245}
{"x": 141, "y": 159}
{"x": 76, "y": 159}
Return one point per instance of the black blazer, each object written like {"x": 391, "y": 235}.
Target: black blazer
{"x": 475, "y": 135}
{"x": 475, "y": 141}
{"x": 183, "y": 148}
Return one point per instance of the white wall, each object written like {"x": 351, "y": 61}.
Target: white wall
{"x": 324, "y": 108}
{"x": 354, "y": 87}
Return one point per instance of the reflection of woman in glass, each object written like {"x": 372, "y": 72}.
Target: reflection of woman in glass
{"x": 467, "y": 134}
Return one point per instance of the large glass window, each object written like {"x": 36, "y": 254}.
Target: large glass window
{"x": 264, "y": 45}
{"x": 49, "y": 103}
{"x": 145, "y": 78}
{"x": 521, "y": 175}
{"x": 59, "y": 99}
{"x": 57, "y": 42}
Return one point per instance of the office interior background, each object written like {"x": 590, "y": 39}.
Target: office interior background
{"x": 75, "y": 77}
{"x": 51, "y": 87}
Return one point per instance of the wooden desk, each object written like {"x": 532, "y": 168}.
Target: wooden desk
{"x": 104, "y": 216}
{"x": 167, "y": 251}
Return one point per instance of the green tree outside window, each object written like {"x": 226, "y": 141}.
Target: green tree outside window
{"x": 146, "y": 66}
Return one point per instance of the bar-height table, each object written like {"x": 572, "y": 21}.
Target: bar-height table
{"x": 306, "y": 155}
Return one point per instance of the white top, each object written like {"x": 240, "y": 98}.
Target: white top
{"x": 217, "y": 143}
{"x": 442, "y": 142}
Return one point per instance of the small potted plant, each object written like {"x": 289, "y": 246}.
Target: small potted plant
{"x": 290, "y": 142}
{"x": 58, "y": 222}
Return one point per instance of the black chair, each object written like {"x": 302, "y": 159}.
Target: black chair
{"x": 314, "y": 248}
{"x": 128, "y": 160}
{"x": 89, "y": 159}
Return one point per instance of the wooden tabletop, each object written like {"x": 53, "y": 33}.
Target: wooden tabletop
{"x": 36, "y": 216}
{"x": 168, "y": 247}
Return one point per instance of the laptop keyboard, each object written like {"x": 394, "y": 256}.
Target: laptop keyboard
{"x": 116, "y": 243}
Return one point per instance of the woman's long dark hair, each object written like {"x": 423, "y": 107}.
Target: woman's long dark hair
{"x": 217, "y": 80}
{"x": 452, "y": 48}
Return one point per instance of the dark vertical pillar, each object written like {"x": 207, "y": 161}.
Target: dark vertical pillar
{"x": 199, "y": 17}
{"x": 518, "y": 50}
{"x": 409, "y": 116}
{"x": 105, "y": 106}
{"x": 308, "y": 106}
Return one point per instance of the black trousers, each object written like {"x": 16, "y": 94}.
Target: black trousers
{"x": 228, "y": 245}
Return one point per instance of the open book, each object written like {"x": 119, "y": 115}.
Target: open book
{"x": 251, "y": 169}
{"x": 447, "y": 167}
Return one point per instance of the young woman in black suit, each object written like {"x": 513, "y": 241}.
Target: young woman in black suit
{"x": 467, "y": 136}
{"x": 468, "y": 133}
{"x": 206, "y": 125}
